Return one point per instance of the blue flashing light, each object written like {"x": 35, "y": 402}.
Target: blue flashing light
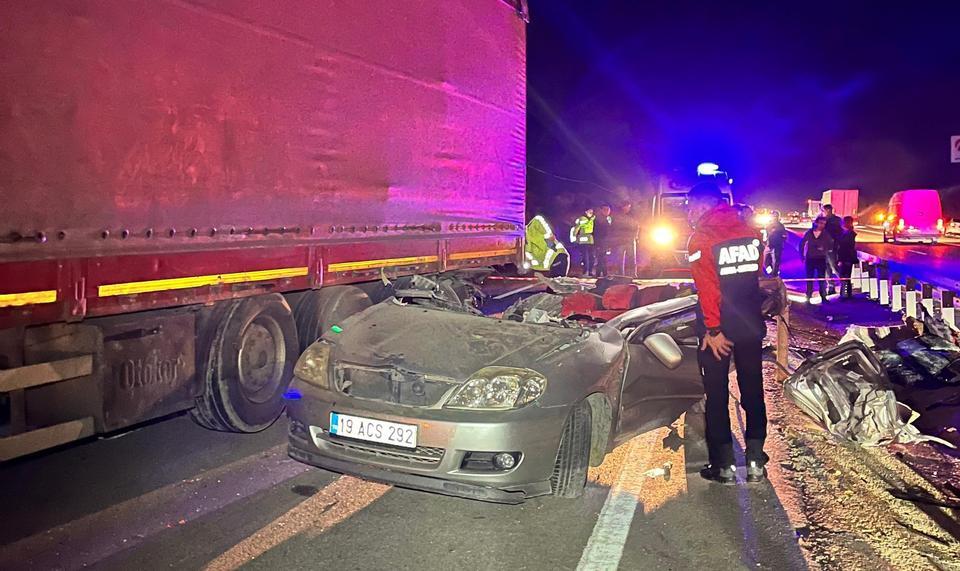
{"x": 292, "y": 394}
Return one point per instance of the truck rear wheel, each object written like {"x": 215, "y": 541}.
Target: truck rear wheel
{"x": 248, "y": 354}
{"x": 319, "y": 310}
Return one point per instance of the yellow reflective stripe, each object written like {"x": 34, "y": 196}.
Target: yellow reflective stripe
{"x": 481, "y": 254}
{"x": 373, "y": 264}
{"x": 149, "y": 286}
{"x": 28, "y": 298}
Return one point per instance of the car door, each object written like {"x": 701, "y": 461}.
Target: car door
{"x": 652, "y": 394}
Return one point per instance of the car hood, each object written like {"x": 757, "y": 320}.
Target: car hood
{"x": 455, "y": 345}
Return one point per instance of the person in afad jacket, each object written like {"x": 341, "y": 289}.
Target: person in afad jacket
{"x": 725, "y": 257}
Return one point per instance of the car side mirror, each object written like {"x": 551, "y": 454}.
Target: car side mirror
{"x": 665, "y": 349}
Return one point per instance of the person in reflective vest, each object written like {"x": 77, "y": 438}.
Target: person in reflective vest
{"x": 725, "y": 258}
{"x": 542, "y": 250}
{"x": 581, "y": 234}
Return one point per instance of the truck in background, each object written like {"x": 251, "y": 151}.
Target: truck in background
{"x": 194, "y": 194}
{"x": 845, "y": 202}
{"x": 664, "y": 244}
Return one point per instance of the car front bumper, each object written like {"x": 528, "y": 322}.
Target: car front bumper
{"x": 444, "y": 439}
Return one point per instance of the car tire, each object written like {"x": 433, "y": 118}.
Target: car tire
{"x": 573, "y": 458}
{"x": 319, "y": 310}
{"x": 247, "y": 358}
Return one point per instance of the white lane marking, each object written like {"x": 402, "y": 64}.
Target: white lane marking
{"x": 318, "y": 513}
{"x": 605, "y": 547}
{"x": 921, "y": 252}
{"x": 98, "y": 536}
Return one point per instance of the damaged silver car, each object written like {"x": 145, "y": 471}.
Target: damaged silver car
{"x": 437, "y": 397}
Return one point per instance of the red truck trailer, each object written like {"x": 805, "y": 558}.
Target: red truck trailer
{"x": 193, "y": 190}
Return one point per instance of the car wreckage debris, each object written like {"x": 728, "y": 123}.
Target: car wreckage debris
{"x": 848, "y": 391}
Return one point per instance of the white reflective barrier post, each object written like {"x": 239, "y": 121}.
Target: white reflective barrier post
{"x": 927, "y": 298}
{"x": 912, "y": 298}
{"x": 875, "y": 284}
{"x": 884, "y": 292}
{"x": 865, "y": 277}
{"x": 896, "y": 301}
{"x": 948, "y": 311}
{"x": 855, "y": 276}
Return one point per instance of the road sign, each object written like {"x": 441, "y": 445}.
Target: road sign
{"x": 955, "y": 149}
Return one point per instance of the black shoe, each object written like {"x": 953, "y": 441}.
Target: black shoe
{"x": 727, "y": 475}
{"x": 756, "y": 472}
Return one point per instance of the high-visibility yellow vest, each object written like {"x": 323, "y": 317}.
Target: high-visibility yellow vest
{"x": 542, "y": 247}
{"x": 582, "y": 230}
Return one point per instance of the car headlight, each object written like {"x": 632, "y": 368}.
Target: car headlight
{"x": 664, "y": 235}
{"x": 498, "y": 388}
{"x": 312, "y": 366}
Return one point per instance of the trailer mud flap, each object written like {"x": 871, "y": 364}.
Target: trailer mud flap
{"x": 148, "y": 367}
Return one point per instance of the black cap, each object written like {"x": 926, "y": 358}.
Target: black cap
{"x": 705, "y": 191}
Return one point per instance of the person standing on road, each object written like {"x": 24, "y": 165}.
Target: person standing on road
{"x": 602, "y": 234}
{"x": 724, "y": 253}
{"x": 815, "y": 248}
{"x": 776, "y": 238}
{"x": 581, "y": 234}
{"x": 847, "y": 256}
{"x": 625, "y": 230}
{"x": 834, "y": 228}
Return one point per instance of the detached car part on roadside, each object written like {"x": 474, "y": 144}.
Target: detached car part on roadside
{"x": 494, "y": 409}
{"x": 848, "y": 391}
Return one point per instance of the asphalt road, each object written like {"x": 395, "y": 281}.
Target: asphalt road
{"x": 173, "y": 495}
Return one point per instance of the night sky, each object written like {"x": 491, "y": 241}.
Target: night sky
{"x": 791, "y": 98}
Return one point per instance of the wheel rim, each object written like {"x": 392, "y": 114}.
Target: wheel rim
{"x": 261, "y": 359}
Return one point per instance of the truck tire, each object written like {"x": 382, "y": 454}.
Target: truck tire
{"x": 573, "y": 458}
{"x": 247, "y": 359}
{"x": 319, "y": 310}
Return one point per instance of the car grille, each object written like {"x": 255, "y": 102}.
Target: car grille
{"x": 391, "y": 385}
{"x": 422, "y": 455}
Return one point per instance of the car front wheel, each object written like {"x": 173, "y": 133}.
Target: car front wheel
{"x": 573, "y": 458}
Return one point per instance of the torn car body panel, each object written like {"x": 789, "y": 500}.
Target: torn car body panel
{"x": 848, "y": 391}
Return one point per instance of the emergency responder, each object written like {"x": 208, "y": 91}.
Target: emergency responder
{"x": 776, "y": 238}
{"x": 581, "y": 234}
{"x": 542, "y": 250}
{"x": 602, "y": 235}
{"x": 724, "y": 253}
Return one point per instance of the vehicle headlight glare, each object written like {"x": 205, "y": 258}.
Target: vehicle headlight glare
{"x": 312, "y": 366}
{"x": 664, "y": 235}
{"x": 499, "y": 388}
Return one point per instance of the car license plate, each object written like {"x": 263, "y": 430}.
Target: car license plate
{"x": 373, "y": 430}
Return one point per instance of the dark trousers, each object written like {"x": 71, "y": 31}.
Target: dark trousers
{"x": 747, "y": 359}
{"x": 846, "y": 270}
{"x": 776, "y": 256}
{"x": 600, "y": 257}
{"x": 587, "y": 254}
{"x": 625, "y": 259}
{"x": 817, "y": 268}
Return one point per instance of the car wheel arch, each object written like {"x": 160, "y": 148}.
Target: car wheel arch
{"x": 601, "y": 413}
